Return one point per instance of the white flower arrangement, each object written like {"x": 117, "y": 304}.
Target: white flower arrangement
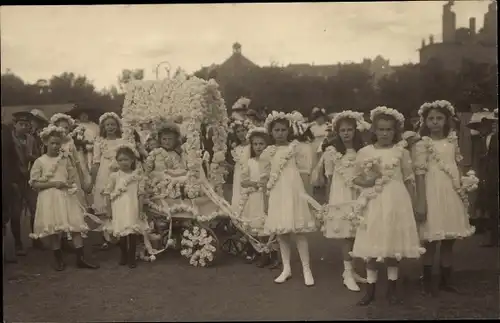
{"x": 198, "y": 246}
{"x": 256, "y": 130}
{"x": 107, "y": 115}
{"x": 241, "y": 104}
{"x": 247, "y": 124}
{"x": 297, "y": 116}
{"x": 470, "y": 182}
{"x": 129, "y": 146}
{"x": 361, "y": 124}
{"x": 275, "y": 115}
{"x": 388, "y": 111}
{"x": 50, "y": 129}
{"x": 275, "y": 173}
{"x": 61, "y": 116}
{"x": 439, "y": 104}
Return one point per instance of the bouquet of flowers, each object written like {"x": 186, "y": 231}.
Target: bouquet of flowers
{"x": 198, "y": 246}
{"x": 78, "y": 136}
{"x": 470, "y": 182}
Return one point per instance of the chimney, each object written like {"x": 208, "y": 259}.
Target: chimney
{"x": 472, "y": 26}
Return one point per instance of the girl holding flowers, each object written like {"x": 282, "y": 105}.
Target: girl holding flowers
{"x": 58, "y": 210}
{"x": 252, "y": 201}
{"x": 105, "y": 145}
{"x": 286, "y": 173}
{"x": 125, "y": 199}
{"x": 240, "y": 154}
{"x": 339, "y": 167}
{"x": 388, "y": 231}
{"x": 68, "y": 148}
{"x": 442, "y": 196}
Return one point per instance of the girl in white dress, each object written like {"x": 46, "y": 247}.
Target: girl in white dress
{"x": 125, "y": 199}
{"x": 240, "y": 154}
{"x": 388, "y": 231}
{"x": 68, "y": 148}
{"x": 318, "y": 128}
{"x": 442, "y": 204}
{"x": 339, "y": 161}
{"x": 286, "y": 173}
{"x": 105, "y": 145}
{"x": 58, "y": 210}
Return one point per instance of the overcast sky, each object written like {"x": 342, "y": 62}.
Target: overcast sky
{"x": 99, "y": 41}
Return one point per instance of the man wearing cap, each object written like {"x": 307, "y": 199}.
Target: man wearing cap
{"x": 24, "y": 153}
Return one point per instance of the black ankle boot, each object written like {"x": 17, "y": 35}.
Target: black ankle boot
{"x": 427, "y": 289}
{"x": 392, "y": 292}
{"x": 81, "y": 262}
{"x": 369, "y": 295}
{"x": 263, "y": 260}
{"x": 123, "y": 251}
{"x": 445, "y": 282}
{"x": 275, "y": 261}
{"x": 59, "y": 264}
{"x": 132, "y": 240}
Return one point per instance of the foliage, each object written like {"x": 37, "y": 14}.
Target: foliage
{"x": 128, "y": 75}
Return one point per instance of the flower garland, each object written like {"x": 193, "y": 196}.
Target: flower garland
{"x": 361, "y": 124}
{"x": 198, "y": 246}
{"x": 120, "y": 190}
{"x": 275, "y": 115}
{"x": 388, "y": 111}
{"x": 239, "y": 123}
{"x": 61, "y": 116}
{"x": 113, "y": 115}
{"x": 274, "y": 176}
{"x": 463, "y": 185}
{"x": 343, "y": 165}
{"x": 49, "y": 130}
{"x": 438, "y": 104}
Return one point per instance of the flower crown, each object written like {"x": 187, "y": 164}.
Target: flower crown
{"x": 275, "y": 115}
{"x": 256, "y": 130}
{"x": 50, "y": 129}
{"x": 388, "y": 111}
{"x": 110, "y": 115}
{"x": 297, "y": 116}
{"x": 61, "y": 116}
{"x": 129, "y": 146}
{"x": 167, "y": 126}
{"x": 247, "y": 124}
{"x": 438, "y": 104}
{"x": 361, "y": 124}
{"x": 241, "y": 103}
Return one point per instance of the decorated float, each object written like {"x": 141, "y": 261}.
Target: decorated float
{"x": 183, "y": 203}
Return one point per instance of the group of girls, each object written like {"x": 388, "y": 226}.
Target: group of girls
{"x": 387, "y": 201}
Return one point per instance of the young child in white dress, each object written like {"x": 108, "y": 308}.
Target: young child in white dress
{"x": 125, "y": 199}
{"x": 440, "y": 206}
{"x": 105, "y": 145}
{"x": 69, "y": 149}
{"x": 240, "y": 154}
{"x": 388, "y": 230}
{"x": 339, "y": 159}
{"x": 286, "y": 171}
{"x": 58, "y": 210}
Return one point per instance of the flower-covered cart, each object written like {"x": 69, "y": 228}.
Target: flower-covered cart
{"x": 181, "y": 207}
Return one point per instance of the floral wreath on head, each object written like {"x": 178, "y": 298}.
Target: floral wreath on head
{"x": 167, "y": 126}
{"x": 247, "y": 124}
{"x": 438, "y": 104}
{"x": 108, "y": 115}
{"x": 129, "y": 146}
{"x": 61, "y": 116}
{"x": 297, "y": 116}
{"x": 275, "y": 115}
{"x": 256, "y": 130}
{"x": 50, "y": 129}
{"x": 361, "y": 124}
{"x": 388, "y": 111}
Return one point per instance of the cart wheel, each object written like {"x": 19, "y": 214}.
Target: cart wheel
{"x": 233, "y": 246}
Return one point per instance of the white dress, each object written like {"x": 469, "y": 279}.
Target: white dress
{"x": 105, "y": 156}
{"x": 124, "y": 190}
{"x": 320, "y": 133}
{"x": 68, "y": 148}
{"x": 447, "y": 217}
{"x": 388, "y": 228}
{"x": 240, "y": 154}
{"x": 252, "y": 201}
{"x": 57, "y": 210}
{"x": 342, "y": 193}
{"x": 288, "y": 210}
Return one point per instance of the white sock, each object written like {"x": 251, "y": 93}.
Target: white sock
{"x": 392, "y": 273}
{"x": 371, "y": 276}
{"x": 285, "y": 253}
{"x": 303, "y": 249}
{"x": 347, "y": 265}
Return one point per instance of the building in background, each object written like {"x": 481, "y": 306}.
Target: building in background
{"x": 459, "y": 44}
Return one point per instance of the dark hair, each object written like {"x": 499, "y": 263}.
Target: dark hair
{"x": 357, "y": 140}
{"x": 166, "y": 130}
{"x": 235, "y": 137}
{"x": 387, "y": 117}
{"x": 137, "y": 137}
{"x": 262, "y": 135}
{"x": 425, "y": 131}
{"x": 282, "y": 121}
{"x": 128, "y": 152}
{"x": 102, "y": 131}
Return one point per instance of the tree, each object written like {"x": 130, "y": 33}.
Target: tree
{"x": 127, "y": 75}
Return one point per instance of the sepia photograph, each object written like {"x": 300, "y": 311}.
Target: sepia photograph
{"x": 302, "y": 161}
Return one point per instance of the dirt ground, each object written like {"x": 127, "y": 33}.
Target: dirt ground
{"x": 171, "y": 290}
